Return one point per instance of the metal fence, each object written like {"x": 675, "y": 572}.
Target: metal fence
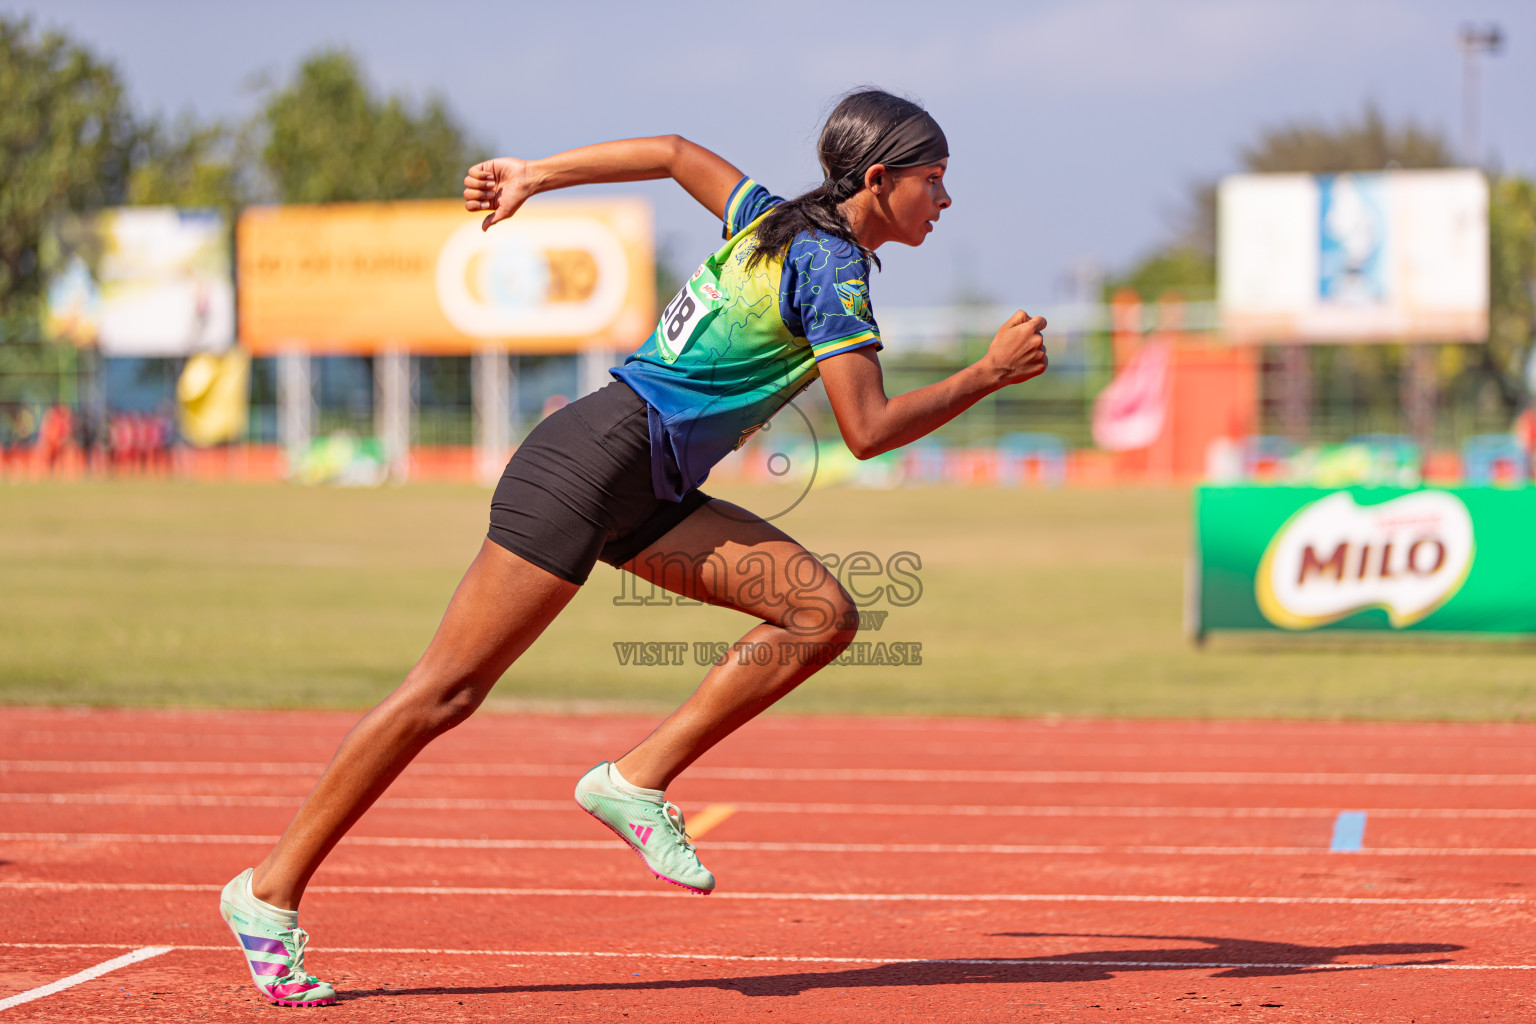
{"x": 1350, "y": 390}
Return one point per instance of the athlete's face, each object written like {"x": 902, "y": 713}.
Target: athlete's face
{"x": 911, "y": 199}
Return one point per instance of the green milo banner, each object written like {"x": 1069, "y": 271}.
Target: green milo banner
{"x": 1304, "y": 560}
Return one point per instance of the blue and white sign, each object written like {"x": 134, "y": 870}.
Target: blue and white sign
{"x": 1352, "y": 240}
{"x": 1388, "y": 256}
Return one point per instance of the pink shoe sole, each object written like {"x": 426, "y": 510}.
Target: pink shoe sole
{"x": 289, "y": 1002}
{"x": 274, "y": 1000}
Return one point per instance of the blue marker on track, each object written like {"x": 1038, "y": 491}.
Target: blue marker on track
{"x": 1348, "y": 832}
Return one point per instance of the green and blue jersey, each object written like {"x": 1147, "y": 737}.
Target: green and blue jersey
{"x": 735, "y": 345}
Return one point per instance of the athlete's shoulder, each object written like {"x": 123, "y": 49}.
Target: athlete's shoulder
{"x": 826, "y": 290}
{"x": 747, "y": 202}
{"x": 814, "y": 252}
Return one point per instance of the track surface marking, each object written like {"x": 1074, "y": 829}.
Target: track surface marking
{"x": 897, "y": 869}
{"x": 80, "y": 977}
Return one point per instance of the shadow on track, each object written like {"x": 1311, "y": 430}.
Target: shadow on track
{"x": 1229, "y": 958}
{"x": 1259, "y": 959}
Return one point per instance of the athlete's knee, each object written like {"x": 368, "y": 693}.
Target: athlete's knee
{"x": 817, "y": 607}
{"x": 847, "y": 628}
{"x": 440, "y": 702}
{"x": 839, "y": 626}
{"x": 457, "y": 705}
{"x": 829, "y": 617}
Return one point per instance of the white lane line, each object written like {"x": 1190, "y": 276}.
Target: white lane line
{"x": 105, "y": 967}
{"x": 909, "y": 775}
{"x": 797, "y": 897}
{"x": 1189, "y": 965}
{"x": 784, "y": 732}
{"x": 914, "y": 810}
{"x": 947, "y": 849}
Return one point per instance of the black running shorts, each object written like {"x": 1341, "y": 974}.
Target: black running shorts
{"x": 578, "y": 489}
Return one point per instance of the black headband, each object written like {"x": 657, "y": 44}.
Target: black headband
{"x": 914, "y": 142}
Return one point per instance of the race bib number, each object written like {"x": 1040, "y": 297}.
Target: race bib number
{"x": 686, "y": 316}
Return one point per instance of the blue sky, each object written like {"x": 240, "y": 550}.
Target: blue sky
{"x": 1074, "y": 127}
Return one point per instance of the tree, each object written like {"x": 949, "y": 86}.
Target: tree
{"x": 1364, "y": 145}
{"x": 1512, "y": 283}
{"x": 1178, "y": 269}
{"x": 66, "y": 140}
{"x": 1187, "y": 264}
{"x": 328, "y": 138}
{"x": 189, "y": 163}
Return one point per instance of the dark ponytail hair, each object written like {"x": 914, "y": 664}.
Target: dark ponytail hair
{"x": 852, "y": 134}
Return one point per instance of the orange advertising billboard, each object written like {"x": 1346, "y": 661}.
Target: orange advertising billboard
{"x": 420, "y": 275}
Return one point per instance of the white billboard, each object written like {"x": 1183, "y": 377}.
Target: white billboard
{"x": 142, "y": 281}
{"x": 1388, "y": 256}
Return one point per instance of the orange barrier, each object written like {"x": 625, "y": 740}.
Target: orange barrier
{"x": 233, "y": 462}
{"x": 975, "y": 466}
{"x": 443, "y": 463}
{"x": 1213, "y": 393}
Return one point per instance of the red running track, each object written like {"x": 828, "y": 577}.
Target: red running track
{"x": 870, "y": 870}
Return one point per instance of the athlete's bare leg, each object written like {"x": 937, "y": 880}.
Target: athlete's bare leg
{"x": 500, "y": 607}
{"x": 725, "y": 555}
{"x": 721, "y": 554}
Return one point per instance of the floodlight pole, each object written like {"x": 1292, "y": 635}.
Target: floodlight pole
{"x": 295, "y": 404}
{"x": 1419, "y": 394}
{"x": 1295, "y": 391}
{"x": 1473, "y": 41}
{"x": 392, "y": 409}
{"x": 491, "y": 383}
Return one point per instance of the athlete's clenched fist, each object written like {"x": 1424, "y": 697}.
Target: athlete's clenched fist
{"x": 1018, "y": 349}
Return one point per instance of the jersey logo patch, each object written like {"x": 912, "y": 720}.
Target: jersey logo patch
{"x": 855, "y": 297}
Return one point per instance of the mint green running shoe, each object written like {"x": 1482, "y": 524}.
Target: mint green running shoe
{"x": 654, "y": 831}
{"x": 274, "y": 954}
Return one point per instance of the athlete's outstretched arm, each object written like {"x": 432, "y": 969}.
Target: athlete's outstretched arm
{"x": 504, "y": 184}
{"x": 872, "y": 423}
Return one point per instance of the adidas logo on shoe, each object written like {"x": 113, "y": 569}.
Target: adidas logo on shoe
{"x": 639, "y": 819}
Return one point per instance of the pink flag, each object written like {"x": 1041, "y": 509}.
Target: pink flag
{"x": 1129, "y": 413}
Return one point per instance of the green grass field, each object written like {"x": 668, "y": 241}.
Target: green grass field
{"x": 1033, "y": 602}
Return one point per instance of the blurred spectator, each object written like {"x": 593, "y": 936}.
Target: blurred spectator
{"x": 162, "y": 432}
{"x": 1525, "y": 434}
{"x": 119, "y": 442}
{"x": 140, "y": 443}
{"x": 88, "y": 435}
{"x": 55, "y": 435}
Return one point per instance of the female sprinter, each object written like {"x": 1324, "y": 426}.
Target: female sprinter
{"x": 615, "y": 476}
